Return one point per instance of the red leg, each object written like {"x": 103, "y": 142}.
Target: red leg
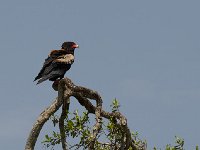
{"x": 55, "y": 84}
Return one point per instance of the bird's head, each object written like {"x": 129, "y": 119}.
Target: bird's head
{"x": 69, "y": 46}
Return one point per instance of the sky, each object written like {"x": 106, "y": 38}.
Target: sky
{"x": 144, "y": 53}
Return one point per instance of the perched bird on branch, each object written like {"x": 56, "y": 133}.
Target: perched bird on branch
{"x": 57, "y": 63}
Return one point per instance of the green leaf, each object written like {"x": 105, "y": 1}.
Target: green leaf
{"x": 47, "y": 137}
{"x": 197, "y": 147}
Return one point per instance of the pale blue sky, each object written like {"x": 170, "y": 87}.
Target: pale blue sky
{"x": 144, "y": 53}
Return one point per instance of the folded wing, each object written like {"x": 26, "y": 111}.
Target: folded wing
{"x": 55, "y": 66}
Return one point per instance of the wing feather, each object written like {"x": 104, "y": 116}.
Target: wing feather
{"x": 55, "y": 59}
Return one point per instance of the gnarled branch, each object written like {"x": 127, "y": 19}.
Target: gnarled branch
{"x": 66, "y": 89}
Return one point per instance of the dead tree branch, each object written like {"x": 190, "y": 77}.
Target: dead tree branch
{"x": 66, "y": 89}
{"x": 63, "y": 93}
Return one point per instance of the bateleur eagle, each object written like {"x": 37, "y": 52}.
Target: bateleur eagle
{"x": 57, "y": 63}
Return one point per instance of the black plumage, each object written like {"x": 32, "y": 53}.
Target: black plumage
{"x": 57, "y": 63}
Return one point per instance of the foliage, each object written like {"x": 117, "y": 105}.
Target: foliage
{"x": 179, "y": 145}
{"x": 78, "y": 128}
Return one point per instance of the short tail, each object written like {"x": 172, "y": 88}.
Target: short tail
{"x": 42, "y": 79}
{"x": 49, "y": 76}
{"x": 36, "y": 78}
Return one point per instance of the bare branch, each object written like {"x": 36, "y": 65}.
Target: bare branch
{"x": 65, "y": 109}
{"x": 45, "y": 115}
{"x": 66, "y": 101}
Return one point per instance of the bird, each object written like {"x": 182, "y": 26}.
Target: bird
{"x": 57, "y": 63}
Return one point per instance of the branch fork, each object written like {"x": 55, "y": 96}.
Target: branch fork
{"x": 66, "y": 88}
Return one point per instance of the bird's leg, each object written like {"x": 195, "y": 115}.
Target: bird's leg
{"x": 55, "y": 84}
